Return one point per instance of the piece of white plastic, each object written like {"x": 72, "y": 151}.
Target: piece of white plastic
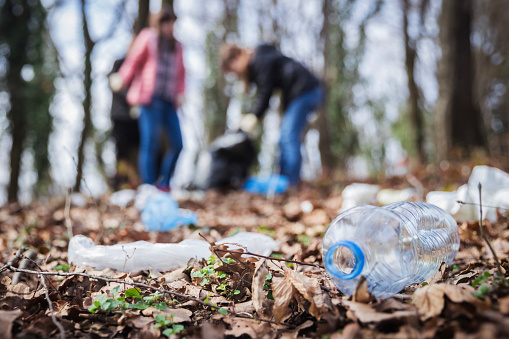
{"x": 358, "y": 194}
{"x": 389, "y": 195}
{"x": 122, "y": 198}
{"x": 493, "y": 181}
{"x": 143, "y": 255}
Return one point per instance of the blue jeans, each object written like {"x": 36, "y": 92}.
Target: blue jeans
{"x": 158, "y": 115}
{"x": 292, "y": 126}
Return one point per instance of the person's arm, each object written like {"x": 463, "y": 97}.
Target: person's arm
{"x": 264, "y": 79}
{"x": 136, "y": 56}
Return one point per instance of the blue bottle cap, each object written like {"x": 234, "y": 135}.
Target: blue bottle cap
{"x": 331, "y": 266}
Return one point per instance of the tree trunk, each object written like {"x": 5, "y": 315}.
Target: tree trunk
{"x": 323, "y": 124}
{"x": 414, "y": 97}
{"x": 87, "y": 100}
{"x": 143, "y": 15}
{"x": 16, "y": 87}
{"x": 458, "y": 122}
{"x": 167, "y": 3}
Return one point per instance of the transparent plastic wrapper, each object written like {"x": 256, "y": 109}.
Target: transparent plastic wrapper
{"x": 143, "y": 255}
{"x": 267, "y": 185}
{"x": 392, "y": 246}
{"x": 358, "y": 194}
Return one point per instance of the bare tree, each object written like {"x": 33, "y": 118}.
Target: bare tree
{"x": 458, "y": 122}
{"x": 90, "y": 44}
{"x": 416, "y": 114}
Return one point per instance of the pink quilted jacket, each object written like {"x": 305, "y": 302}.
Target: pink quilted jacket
{"x": 139, "y": 69}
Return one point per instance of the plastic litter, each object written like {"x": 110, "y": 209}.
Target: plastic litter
{"x": 122, "y": 198}
{"x": 267, "y": 185}
{"x": 357, "y": 194}
{"x": 388, "y": 195}
{"x": 161, "y": 213}
{"x": 495, "y": 189}
{"x": 392, "y": 246}
{"x": 143, "y": 255}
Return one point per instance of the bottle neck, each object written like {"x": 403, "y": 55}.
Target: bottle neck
{"x": 332, "y": 260}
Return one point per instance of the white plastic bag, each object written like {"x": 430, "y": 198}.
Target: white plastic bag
{"x": 143, "y": 255}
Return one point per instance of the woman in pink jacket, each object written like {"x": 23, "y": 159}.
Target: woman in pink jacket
{"x": 154, "y": 71}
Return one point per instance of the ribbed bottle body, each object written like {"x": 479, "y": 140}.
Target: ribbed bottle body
{"x": 401, "y": 244}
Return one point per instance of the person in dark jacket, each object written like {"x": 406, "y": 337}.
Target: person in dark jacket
{"x": 301, "y": 91}
{"x": 126, "y": 135}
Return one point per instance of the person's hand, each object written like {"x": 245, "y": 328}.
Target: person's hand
{"x": 179, "y": 100}
{"x": 116, "y": 82}
{"x": 248, "y": 123}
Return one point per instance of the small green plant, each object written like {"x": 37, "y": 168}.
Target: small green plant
{"x": 61, "y": 267}
{"x": 304, "y": 239}
{"x": 481, "y": 279}
{"x": 103, "y": 303}
{"x": 268, "y": 286}
{"x": 264, "y": 229}
{"x": 169, "y": 328}
{"x": 209, "y": 270}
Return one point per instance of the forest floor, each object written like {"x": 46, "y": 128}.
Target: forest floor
{"x": 253, "y": 297}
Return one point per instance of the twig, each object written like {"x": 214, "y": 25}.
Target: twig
{"x": 67, "y": 213}
{"x": 483, "y": 235}
{"x": 476, "y": 204}
{"x": 50, "y": 305}
{"x": 13, "y": 261}
{"x": 136, "y": 284}
{"x": 127, "y": 257}
{"x": 275, "y": 259}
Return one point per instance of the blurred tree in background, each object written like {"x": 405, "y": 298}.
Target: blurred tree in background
{"x": 465, "y": 39}
{"x": 28, "y": 67}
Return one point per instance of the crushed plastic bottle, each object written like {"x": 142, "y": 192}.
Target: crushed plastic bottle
{"x": 143, "y": 255}
{"x": 392, "y": 246}
{"x": 267, "y": 185}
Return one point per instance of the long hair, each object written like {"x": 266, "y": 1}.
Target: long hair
{"x": 164, "y": 15}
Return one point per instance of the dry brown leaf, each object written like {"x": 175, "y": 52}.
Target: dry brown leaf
{"x": 361, "y": 293}
{"x": 260, "y": 302}
{"x": 177, "y": 315}
{"x": 310, "y": 289}
{"x": 294, "y": 334}
{"x": 282, "y": 291}
{"x": 368, "y": 314}
{"x": 251, "y": 328}
{"x": 440, "y": 275}
{"x": 6, "y": 320}
{"x": 430, "y": 300}
{"x": 351, "y": 331}
{"x": 504, "y": 305}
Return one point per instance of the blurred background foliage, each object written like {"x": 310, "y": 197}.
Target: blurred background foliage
{"x": 452, "y": 56}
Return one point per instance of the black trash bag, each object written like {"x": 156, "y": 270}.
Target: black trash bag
{"x": 226, "y": 164}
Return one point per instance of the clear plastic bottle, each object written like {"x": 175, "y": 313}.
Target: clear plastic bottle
{"x": 392, "y": 246}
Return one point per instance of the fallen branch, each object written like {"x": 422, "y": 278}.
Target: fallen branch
{"x": 485, "y": 237}
{"x": 272, "y": 258}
